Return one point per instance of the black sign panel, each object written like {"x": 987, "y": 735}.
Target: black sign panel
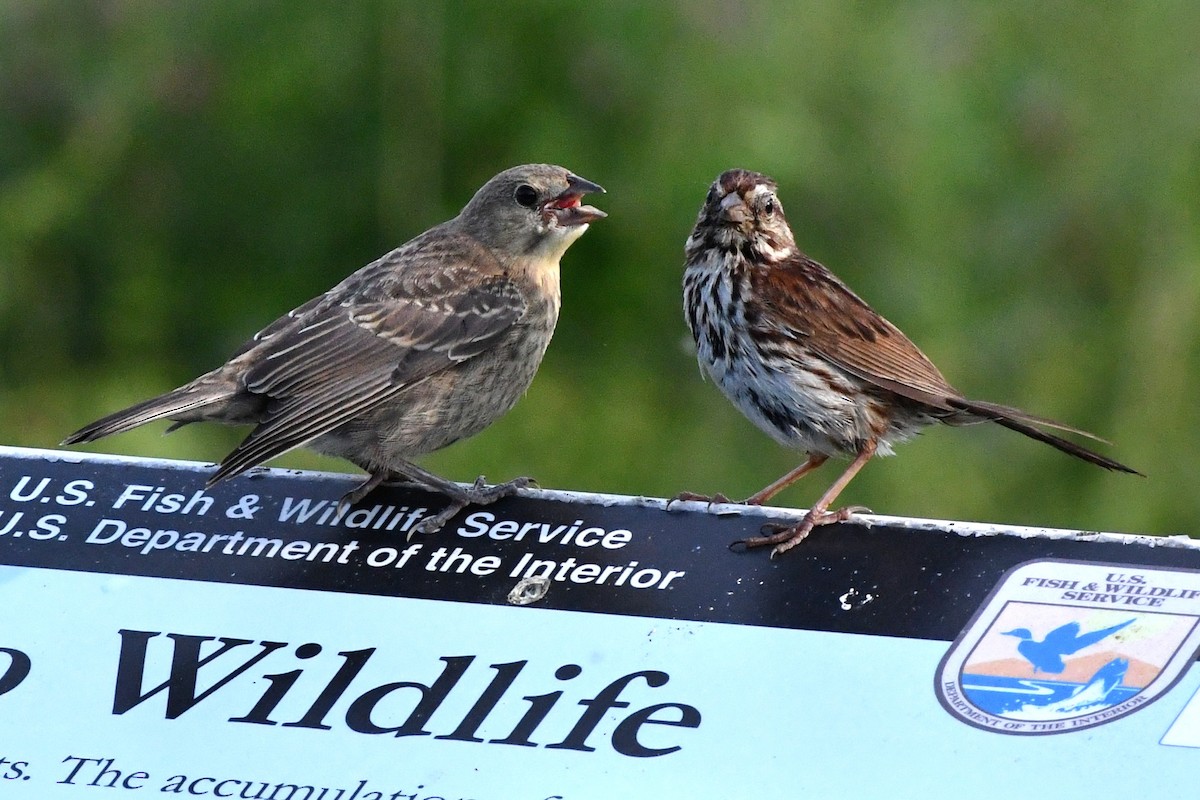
{"x": 596, "y": 553}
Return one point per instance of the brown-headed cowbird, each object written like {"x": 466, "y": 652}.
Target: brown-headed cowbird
{"x": 425, "y": 346}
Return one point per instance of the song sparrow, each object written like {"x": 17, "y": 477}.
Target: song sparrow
{"x": 806, "y": 359}
{"x": 425, "y": 346}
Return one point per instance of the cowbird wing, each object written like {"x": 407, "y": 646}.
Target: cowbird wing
{"x": 428, "y": 305}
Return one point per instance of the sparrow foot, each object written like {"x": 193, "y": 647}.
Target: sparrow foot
{"x": 783, "y": 537}
{"x": 715, "y": 499}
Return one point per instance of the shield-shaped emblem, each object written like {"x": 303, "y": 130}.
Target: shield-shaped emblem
{"x": 1061, "y": 646}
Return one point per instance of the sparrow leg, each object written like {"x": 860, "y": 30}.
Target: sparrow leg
{"x": 766, "y": 494}
{"x": 814, "y": 460}
{"x": 788, "y": 536}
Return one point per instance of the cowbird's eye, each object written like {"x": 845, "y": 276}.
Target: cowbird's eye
{"x": 712, "y": 195}
{"x": 526, "y": 195}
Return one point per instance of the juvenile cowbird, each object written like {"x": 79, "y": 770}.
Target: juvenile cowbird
{"x": 425, "y": 346}
{"x": 806, "y": 359}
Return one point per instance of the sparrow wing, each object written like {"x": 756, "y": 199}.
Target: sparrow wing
{"x": 436, "y": 301}
{"x": 807, "y": 302}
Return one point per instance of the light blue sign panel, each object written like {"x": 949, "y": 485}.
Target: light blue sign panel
{"x": 711, "y": 710}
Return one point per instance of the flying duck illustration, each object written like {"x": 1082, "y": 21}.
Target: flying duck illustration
{"x": 1047, "y": 655}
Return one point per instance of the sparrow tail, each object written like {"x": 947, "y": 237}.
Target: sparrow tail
{"x": 1022, "y": 422}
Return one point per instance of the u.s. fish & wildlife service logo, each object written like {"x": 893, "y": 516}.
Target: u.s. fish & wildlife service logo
{"x": 1061, "y": 646}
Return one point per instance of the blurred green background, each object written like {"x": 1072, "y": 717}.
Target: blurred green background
{"x": 1016, "y": 185}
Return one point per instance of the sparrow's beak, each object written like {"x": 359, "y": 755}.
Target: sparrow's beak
{"x": 566, "y": 207}
{"x": 733, "y": 210}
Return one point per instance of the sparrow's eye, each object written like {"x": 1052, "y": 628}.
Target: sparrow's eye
{"x": 526, "y": 195}
{"x": 769, "y": 207}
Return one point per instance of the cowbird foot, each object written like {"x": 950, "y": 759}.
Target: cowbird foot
{"x": 784, "y": 537}
{"x": 362, "y": 490}
{"x": 714, "y": 499}
{"x": 479, "y": 494}
{"x": 407, "y": 474}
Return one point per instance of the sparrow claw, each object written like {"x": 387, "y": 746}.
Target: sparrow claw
{"x": 782, "y": 537}
{"x": 711, "y": 500}
{"x": 850, "y": 511}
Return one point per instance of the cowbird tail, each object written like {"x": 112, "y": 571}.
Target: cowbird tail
{"x": 1023, "y": 422}
{"x": 185, "y": 404}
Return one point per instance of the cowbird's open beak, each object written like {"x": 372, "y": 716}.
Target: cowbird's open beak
{"x": 566, "y": 207}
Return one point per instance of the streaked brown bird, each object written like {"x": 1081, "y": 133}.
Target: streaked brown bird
{"x": 425, "y": 346}
{"x": 807, "y": 360}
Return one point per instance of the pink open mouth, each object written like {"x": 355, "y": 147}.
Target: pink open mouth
{"x": 566, "y": 201}
{"x": 568, "y": 210}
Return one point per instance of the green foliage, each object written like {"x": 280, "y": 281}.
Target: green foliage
{"x": 1016, "y": 185}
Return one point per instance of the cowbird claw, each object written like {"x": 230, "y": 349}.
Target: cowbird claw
{"x": 362, "y": 490}
{"x": 479, "y": 494}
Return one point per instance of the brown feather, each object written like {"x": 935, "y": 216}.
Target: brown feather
{"x": 423, "y": 347}
{"x": 330, "y": 362}
{"x": 806, "y": 359}
{"x": 811, "y": 303}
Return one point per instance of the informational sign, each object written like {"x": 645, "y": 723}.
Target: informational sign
{"x": 160, "y": 639}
